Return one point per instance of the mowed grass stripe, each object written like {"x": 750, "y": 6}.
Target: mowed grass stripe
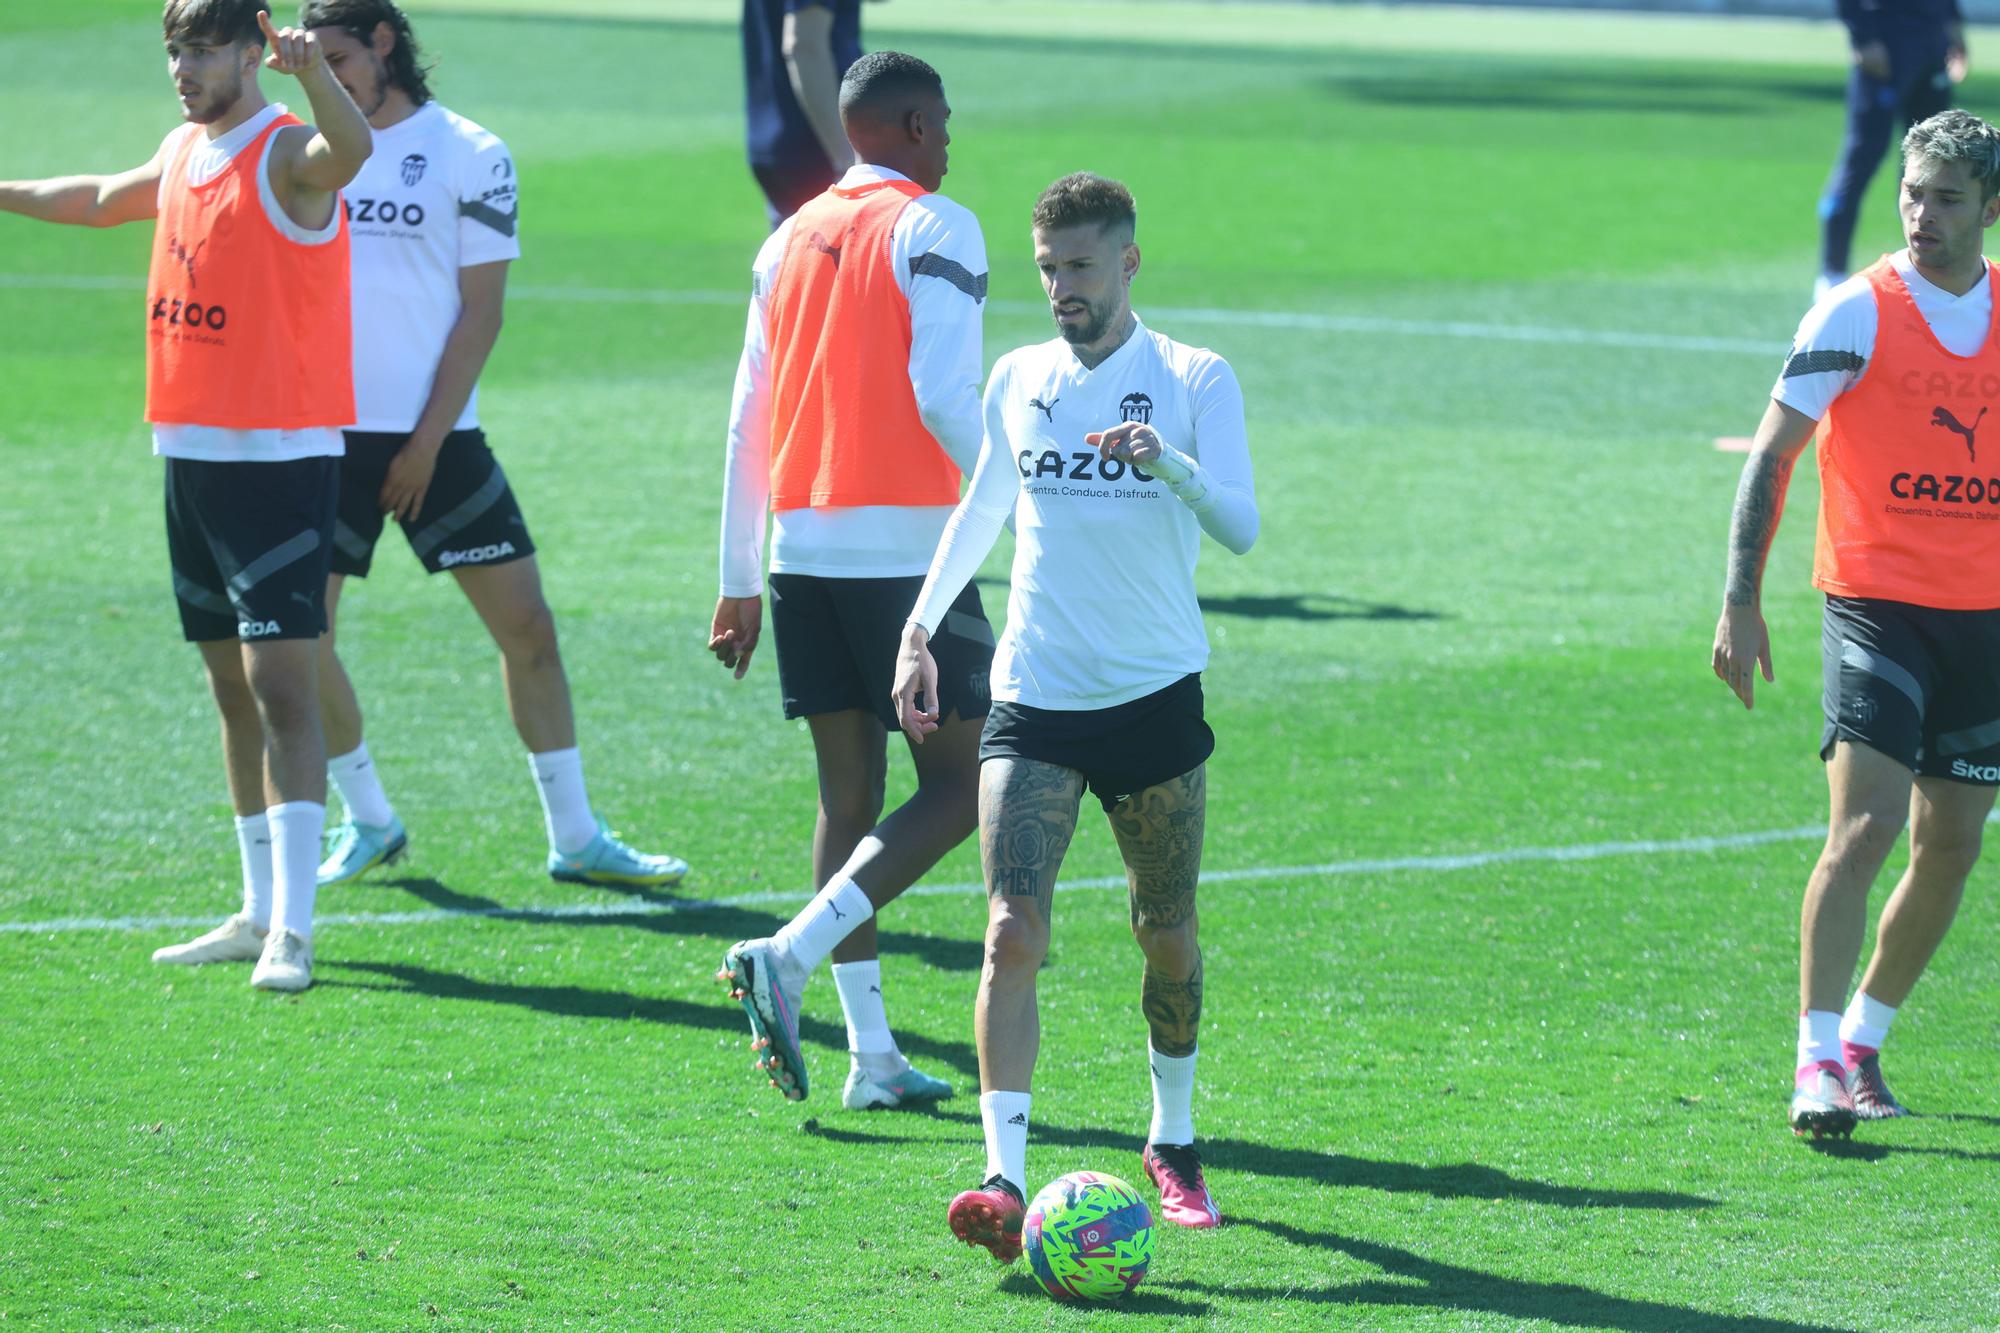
{"x": 1593, "y": 851}
{"x": 1304, "y": 321}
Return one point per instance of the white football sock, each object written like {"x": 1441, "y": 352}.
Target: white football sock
{"x": 1819, "y": 1037}
{"x": 1004, "y": 1116}
{"x": 295, "y": 832}
{"x": 1866, "y": 1022}
{"x": 868, "y": 1033}
{"x": 1173, "y": 1097}
{"x": 253, "y": 841}
{"x": 360, "y": 787}
{"x": 565, "y": 805}
{"x": 806, "y": 940}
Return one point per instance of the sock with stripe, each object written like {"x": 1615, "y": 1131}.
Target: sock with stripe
{"x": 360, "y": 787}
{"x": 253, "y": 841}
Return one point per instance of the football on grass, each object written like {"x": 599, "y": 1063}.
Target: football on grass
{"x": 1088, "y": 1237}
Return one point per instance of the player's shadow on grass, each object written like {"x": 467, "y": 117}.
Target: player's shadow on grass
{"x": 1148, "y": 1299}
{"x": 1872, "y": 1150}
{"x": 1460, "y": 1181}
{"x": 1410, "y": 1280}
{"x": 1312, "y": 606}
{"x": 1528, "y": 87}
{"x": 585, "y": 1002}
{"x": 687, "y": 916}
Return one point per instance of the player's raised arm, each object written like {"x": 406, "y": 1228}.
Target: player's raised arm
{"x": 88, "y": 201}
{"x": 309, "y": 163}
{"x": 1742, "y": 643}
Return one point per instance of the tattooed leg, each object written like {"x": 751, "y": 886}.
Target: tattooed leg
{"x": 1027, "y": 814}
{"x": 1159, "y": 832}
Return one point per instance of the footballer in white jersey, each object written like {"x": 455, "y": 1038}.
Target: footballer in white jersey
{"x": 433, "y": 222}
{"x": 1114, "y": 449}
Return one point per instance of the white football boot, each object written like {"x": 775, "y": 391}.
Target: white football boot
{"x": 236, "y": 940}
{"x": 286, "y": 964}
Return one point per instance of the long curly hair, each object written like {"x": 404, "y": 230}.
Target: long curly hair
{"x": 358, "y": 19}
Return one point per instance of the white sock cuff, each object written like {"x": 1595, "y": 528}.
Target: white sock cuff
{"x": 340, "y": 765}
{"x": 832, "y": 915}
{"x": 295, "y": 810}
{"x": 1819, "y": 1037}
{"x": 1866, "y": 1022}
{"x": 257, "y": 823}
{"x": 556, "y": 761}
{"x": 1004, "y": 1117}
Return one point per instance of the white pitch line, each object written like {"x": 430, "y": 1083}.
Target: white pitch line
{"x": 1303, "y": 321}
{"x": 1587, "y": 851}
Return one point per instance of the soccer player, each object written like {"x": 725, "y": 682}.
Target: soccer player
{"x": 1896, "y": 370}
{"x": 856, "y": 410}
{"x": 1907, "y": 56}
{"x": 433, "y": 218}
{"x": 247, "y": 387}
{"x": 1115, "y": 448}
{"x": 794, "y": 55}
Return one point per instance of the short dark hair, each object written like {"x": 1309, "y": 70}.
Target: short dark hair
{"x": 1958, "y": 136}
{"x": 882, "y": 81}
{"x": 219, "y": 22}
{"x": 358, "y": 19}
{"x": 1083, "y": 198}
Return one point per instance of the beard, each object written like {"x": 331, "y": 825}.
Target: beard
{"x": 1097, "y": 321}
{"x": 218, "y": 102}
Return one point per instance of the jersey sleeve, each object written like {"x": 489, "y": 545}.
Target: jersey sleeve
{"x": 488, "y": 205}
{"x": 939, "y": 256}
{"x": 1221, "y": 447}
{"x": 975, "y": 525}
{"x": 1832, "y": 348}
{"x": 746, "y": 472}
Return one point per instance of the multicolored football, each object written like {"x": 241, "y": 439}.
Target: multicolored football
{"x": 1088, "y": 1237}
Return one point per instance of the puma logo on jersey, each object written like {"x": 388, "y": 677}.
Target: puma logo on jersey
{"x": 1942, "y": 417}
{"x": 185, "y": 257}
{"x": 1047, "y": 409}
{"x": 825, "y": 247}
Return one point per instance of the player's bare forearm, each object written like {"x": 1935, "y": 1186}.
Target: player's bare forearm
{"x": 1760, "y": 499}
{"x": 335, "y": 155}
{"x": 466, "y": 349}
{"x": 808, "y": 50}
{"x": 85, "y": 201}
{"x": 1760, "y": 502}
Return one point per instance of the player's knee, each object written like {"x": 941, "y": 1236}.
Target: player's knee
{"x": 528, "y": 636}
{"x": 1945, "y": 854}
{"x": 853, "y": 808}
{"x": 233, "y": 698}
{"x": 1171, "y": 949}
{"x": 1865, "y": 834}
{"x": 1016, "y": 943}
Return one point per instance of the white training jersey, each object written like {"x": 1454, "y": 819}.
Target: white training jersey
{"x": 437, "y": 195}
{"x": 1837, "y": 336}
{"x": 1102, "y": 607}
{"x": 946, "y": 352}
{"x": 221, "y": 444}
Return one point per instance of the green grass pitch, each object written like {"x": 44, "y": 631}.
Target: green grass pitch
{"x": 1532, "y": 263}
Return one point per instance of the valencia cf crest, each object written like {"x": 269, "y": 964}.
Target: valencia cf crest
{"x": 1136, "y": 407}
{"x": 413, "y": 168}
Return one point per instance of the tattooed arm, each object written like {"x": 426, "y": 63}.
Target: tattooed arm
{"x": 1741, "y": 641}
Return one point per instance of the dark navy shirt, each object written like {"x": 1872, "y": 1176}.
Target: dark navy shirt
{"x": 779, "y": 133}
{"x": 1896, "y": 21}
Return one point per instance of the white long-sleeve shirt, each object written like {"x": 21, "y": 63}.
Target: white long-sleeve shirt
{"x": 938, "y": 256}
{"x": 1836, "y": 339}
{"x": 1102, "y": 607}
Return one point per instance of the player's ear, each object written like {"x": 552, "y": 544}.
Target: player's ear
{"x": 383, "y": 40}
{"x": 1990, "y": 212}
{"x": 1130, "y": 260}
